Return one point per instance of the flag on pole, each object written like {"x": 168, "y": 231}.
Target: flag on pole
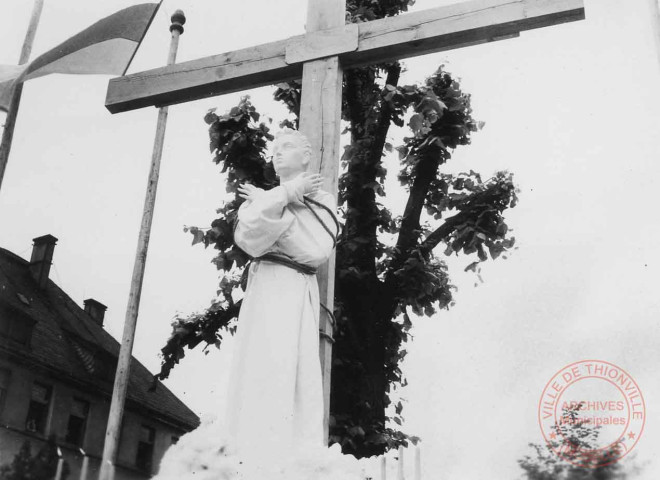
{"x": 107, "y": 47}
{"x": 9, "y": 77}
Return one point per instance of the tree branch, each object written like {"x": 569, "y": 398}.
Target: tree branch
{"x": 444, "y": 231}
{"x": 385, "y": 115}
{"x": 425, "y": 171}
{"x": 369, "y": 128}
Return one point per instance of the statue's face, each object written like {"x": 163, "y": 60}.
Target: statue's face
{"x": 289, "y": 155}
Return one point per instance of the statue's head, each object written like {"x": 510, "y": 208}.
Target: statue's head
{"x": 292, "y": 153}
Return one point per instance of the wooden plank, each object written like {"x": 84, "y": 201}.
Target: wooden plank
{"x": 320, "y": 121}
{"x": 324, "y": 43}
{"x": 320, "y": 117}
{"x": 418, "y": 33}
{"x": 458, "y": 25}
{"x": 205, "y": 77}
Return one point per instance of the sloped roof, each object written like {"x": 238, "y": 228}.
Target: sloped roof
{"x": 66, "y": 341}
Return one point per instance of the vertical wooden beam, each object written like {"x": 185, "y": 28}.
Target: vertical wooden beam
{"x": 320, "y": 117}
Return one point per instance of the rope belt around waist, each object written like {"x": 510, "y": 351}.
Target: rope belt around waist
{"x": 287, "y": 262}
{"x": 307, "y": 270}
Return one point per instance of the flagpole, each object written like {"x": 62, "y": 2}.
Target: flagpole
{"x": 124, "y": 363}
{"x": 10, "y": 120}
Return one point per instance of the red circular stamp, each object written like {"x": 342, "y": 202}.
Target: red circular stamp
{"x": 592, "y": 413}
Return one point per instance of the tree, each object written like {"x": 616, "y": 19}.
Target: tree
{"x": 42, "y": 466}
{"x": 580, "y": 458}
{"x": 387, "y": 267}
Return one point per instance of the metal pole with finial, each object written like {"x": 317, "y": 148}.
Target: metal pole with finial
{"x": 10, "y": 120}
{"x": 124, "y": 363}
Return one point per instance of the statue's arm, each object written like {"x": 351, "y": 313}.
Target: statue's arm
{"x": 262, "y": 219}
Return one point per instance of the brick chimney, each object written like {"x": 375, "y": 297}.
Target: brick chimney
{"x": 96, "y": 310}
{"x": 42, "y": 258}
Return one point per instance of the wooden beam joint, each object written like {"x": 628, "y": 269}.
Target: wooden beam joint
{"x": 322, "y": 44}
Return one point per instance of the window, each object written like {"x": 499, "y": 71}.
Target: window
{"x": 15, "y": 326}
{"x": 106, "y": 365}
{"x": 21, "y": 331}
{"x": 4, "y": 386}
{"x": 145, "y": 448}
{"x": 96, "y": 361}
{"x": 37, "y": 416}
{"x": 5, "y": 325}
{"x": 75, "y": 430}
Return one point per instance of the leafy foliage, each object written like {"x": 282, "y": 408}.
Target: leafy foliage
{"x": 388, "y": 268}
{"x": 580, "y": 460}
{"x": 239, "y": 144}
{"x": 41, "y": 466}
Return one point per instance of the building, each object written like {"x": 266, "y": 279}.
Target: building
{"x": 57, "y": 366}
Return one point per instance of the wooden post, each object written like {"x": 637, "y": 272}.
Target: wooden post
{"x": 60, "y": 465}
{"x": 124, "y": 363}
{"x": 418, "y": 463}
{"x": 320, "y": 116}
{"x": 383, "y": 468}
{"x": 85, "y": 466}
{"x": 10, "y": 120}
{"x": 400, "y": 475}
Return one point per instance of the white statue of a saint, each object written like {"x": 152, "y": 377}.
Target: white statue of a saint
{"x": 275, "y": 395}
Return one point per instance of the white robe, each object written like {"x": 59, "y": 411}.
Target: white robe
{"x": 275, "y": 396}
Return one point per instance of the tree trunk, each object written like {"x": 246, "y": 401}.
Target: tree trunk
{"x": 359, "y": 383}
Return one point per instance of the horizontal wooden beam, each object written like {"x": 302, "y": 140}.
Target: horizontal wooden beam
{"x": 454, "y": 26}
{"x": 205, "y": 77}
{"x": 408, "y": 35}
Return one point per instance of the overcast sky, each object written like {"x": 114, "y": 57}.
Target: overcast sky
{"x": 572, "y": 110}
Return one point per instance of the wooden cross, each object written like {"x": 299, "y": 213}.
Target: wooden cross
{"x": 319, "y": 56}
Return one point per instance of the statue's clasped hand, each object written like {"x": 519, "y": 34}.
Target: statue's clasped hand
{"x": 303, "y": 184}
{"x": 309, "y": 183}
{"x": 247, "y": 191}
